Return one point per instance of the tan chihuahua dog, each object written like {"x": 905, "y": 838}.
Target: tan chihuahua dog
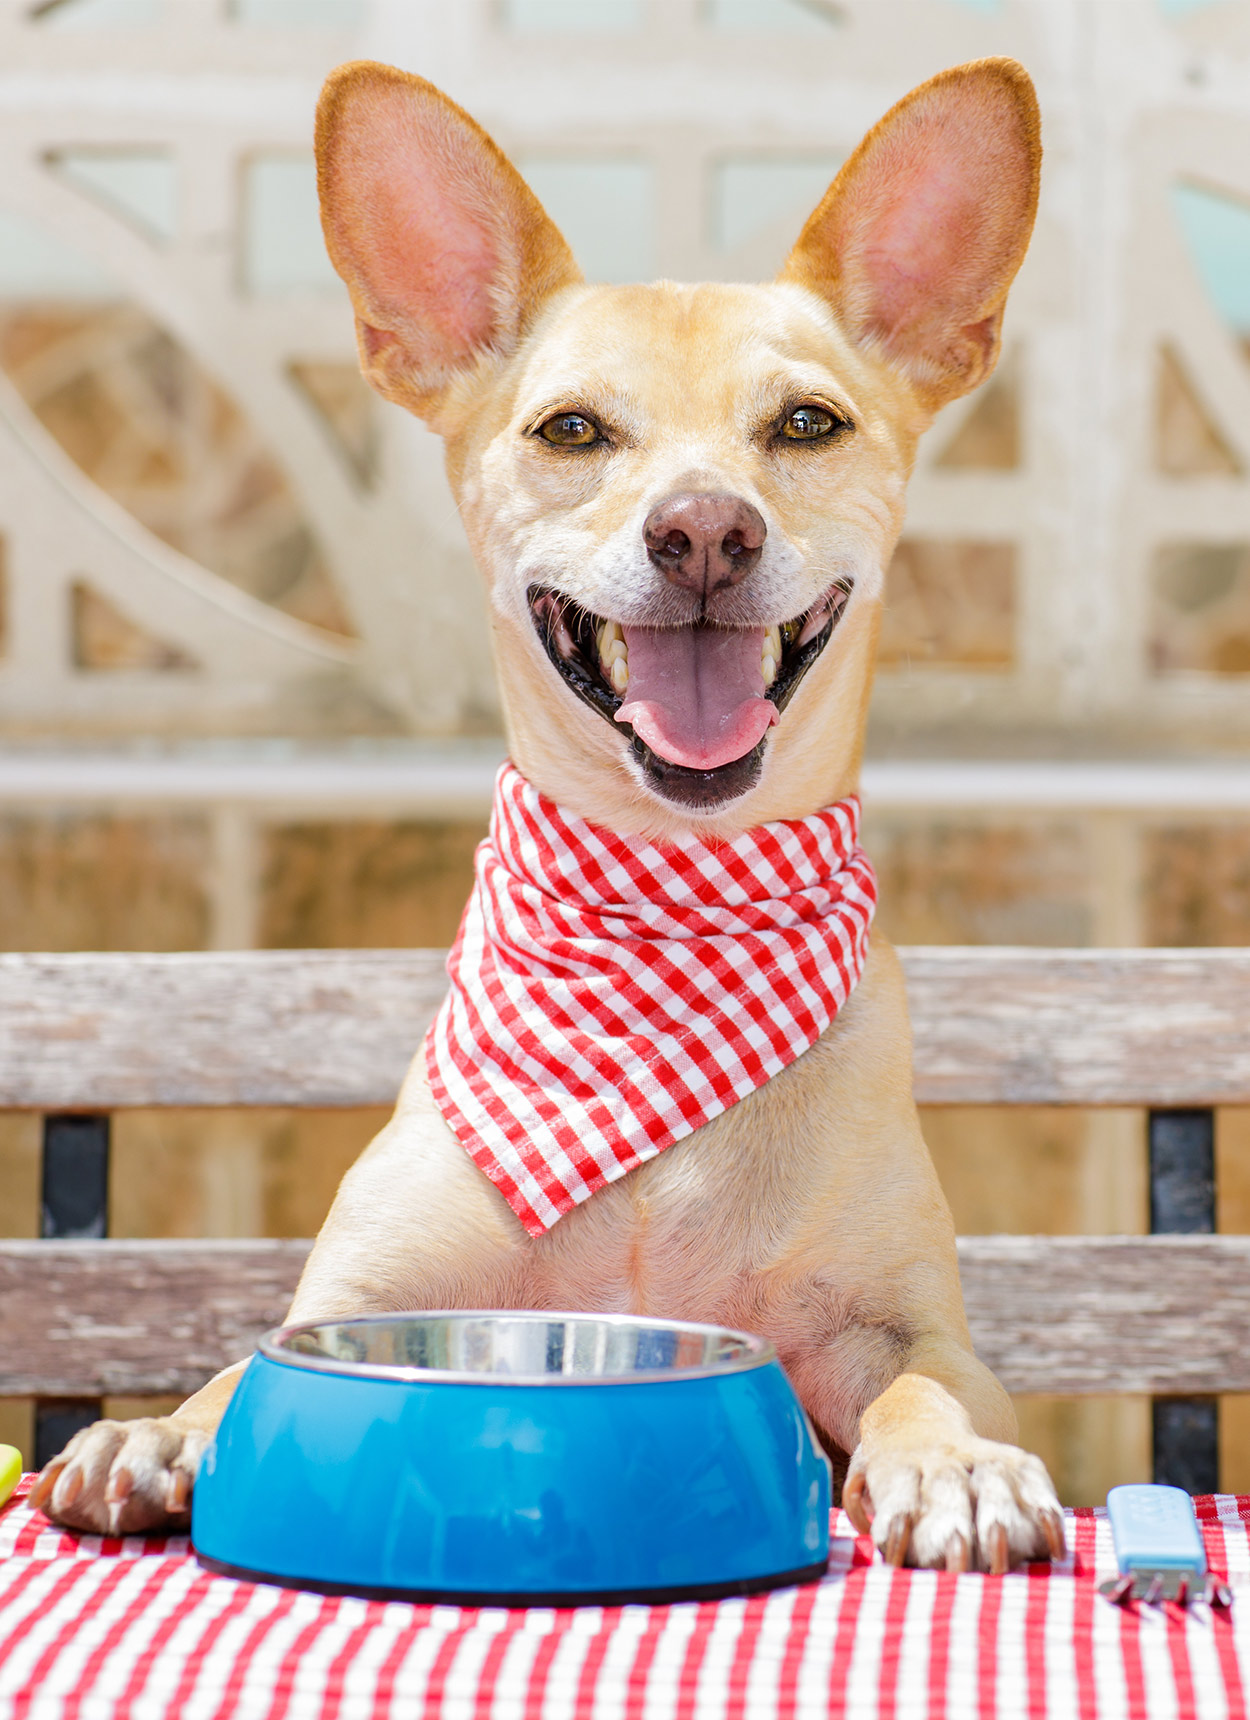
{"x": 712, "y": 462}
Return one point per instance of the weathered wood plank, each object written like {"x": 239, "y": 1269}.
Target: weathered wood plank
{"x": 1161, "y": 1028}
{"x": 1160, "y": 1315}
{"x": 338, "y": 1028}
{"x": 1073, "y": 1314}
{"x": 92, "y": 1319}
{"x": 309, "y": 1028}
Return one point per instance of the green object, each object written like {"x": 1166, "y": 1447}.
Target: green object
{"x": 10, "y": 1470}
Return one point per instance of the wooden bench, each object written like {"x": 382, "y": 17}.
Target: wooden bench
{"x": 82, "y": 1036}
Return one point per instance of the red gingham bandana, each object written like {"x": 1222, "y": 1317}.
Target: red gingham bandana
{"x": 609, "y": 996}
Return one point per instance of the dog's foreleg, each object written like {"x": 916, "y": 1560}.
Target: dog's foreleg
{"x": 414, "y": 1225}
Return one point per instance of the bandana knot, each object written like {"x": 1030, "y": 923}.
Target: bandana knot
{"x": 610, "y": 995}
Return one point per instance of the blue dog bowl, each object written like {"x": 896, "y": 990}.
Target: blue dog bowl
{"x": 514, "y": 1458}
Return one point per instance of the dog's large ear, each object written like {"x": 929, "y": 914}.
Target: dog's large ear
{"x": 445, "y": 250}
{"x": 919, "y": 237}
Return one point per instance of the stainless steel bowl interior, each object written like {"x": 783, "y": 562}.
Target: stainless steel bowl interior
{"x": 518, "y": 1348}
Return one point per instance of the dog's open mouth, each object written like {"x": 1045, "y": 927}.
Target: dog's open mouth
{"x": 696, "y": 702}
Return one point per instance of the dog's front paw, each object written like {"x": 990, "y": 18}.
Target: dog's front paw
{"x": 979, "y": 1506}
{"x": 123, "y": 1477}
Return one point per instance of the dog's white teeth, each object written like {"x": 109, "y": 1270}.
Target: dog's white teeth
{"x": 614, "y": 655}
{"x": 771, "y": 656}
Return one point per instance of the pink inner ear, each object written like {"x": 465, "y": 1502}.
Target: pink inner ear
{"x": 933, "y": 221}
{"x": 412, "y": 228}
{"x": 431, "y": 262}
{"x": 922, "y": 249}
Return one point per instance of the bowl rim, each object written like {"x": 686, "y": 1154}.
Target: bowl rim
{"x": 758, "y": 1352}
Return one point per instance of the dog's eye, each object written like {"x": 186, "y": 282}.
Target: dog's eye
{"x": 809, "y": 423}
{"x": 571, "y": 430}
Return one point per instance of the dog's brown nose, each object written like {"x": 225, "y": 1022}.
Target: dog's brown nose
{"x": 704, "y": 542}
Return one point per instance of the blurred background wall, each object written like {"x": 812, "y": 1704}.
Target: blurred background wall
{"x": 245, "y": 694}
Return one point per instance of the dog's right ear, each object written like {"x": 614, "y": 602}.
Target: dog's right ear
{"x": 445, "y": 250}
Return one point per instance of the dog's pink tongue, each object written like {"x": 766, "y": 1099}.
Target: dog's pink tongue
{"x": 696, "y": 694}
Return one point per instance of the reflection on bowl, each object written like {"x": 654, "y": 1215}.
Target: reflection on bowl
{"x": 514, "y": 1457}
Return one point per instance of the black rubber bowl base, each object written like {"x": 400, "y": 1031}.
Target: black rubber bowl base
{"x": 508, "y": 1598}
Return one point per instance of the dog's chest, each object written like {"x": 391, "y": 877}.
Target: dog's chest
{"x": 685, "y": 1232}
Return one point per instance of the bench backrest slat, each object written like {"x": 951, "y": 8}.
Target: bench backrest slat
{"x": 339, "y": 1028}
{"x": 1162, "y": 1314}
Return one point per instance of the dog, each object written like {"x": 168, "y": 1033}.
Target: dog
{"x": 690, "y": 468}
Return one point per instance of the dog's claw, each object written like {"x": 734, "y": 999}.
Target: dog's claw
{"x": 898, "y": 1541}
{"x": 1056, "y": 1540}
{"x": 121, "y": 1484}
{"x": 999, "y": 1551}
{"x": 45, "y": 1481}
{"x": 857, "y": 1501}
{"x": 117, "y": 1492}
{"x": 177, "y": 1492}
{"x": 67, "y": 1486}
{"x": 958, "y": 1557}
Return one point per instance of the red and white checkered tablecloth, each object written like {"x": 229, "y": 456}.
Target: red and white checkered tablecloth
{"x": 96, "y": 1629}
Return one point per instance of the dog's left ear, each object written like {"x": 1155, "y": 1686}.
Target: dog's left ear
{"x": 919, "y": 237}
{"x": 446, "y": 252}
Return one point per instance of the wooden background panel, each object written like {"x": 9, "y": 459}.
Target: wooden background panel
{"x": 1110, "y": 1314}
{"x": 1080, "y": 1315}
{"x": 1080, "y": 1027}
{"x": 316, "y": 1028}
{"x": 339, "y": 1028}
{"x": 135, "y": 1319}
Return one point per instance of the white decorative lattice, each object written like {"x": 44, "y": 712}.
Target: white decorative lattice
{"x": 662, "y": 135}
